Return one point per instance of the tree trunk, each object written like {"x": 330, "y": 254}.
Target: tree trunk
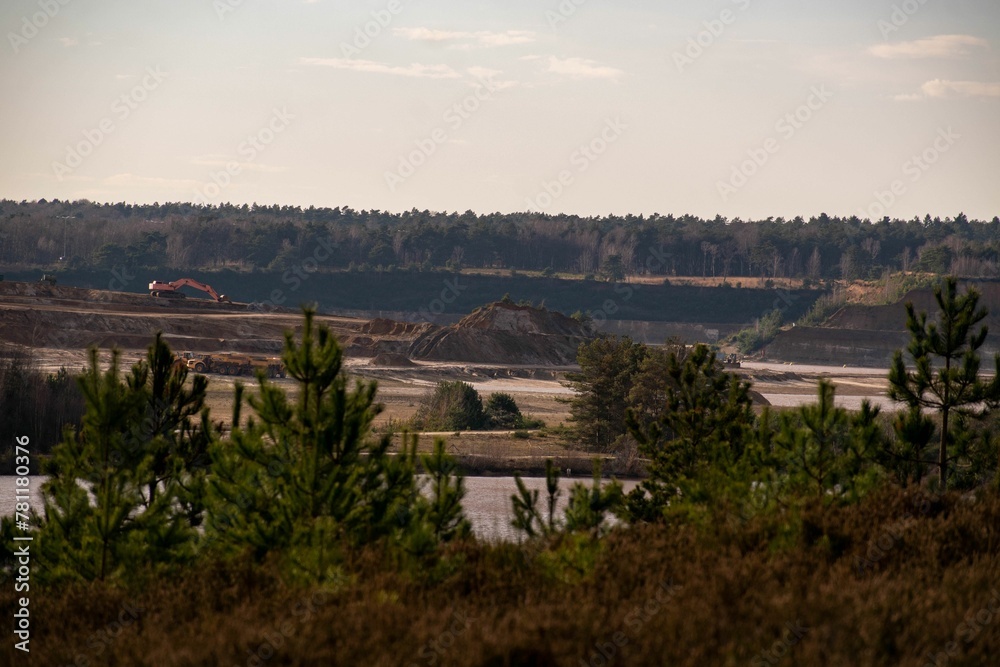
{"x": 943, "y": 454}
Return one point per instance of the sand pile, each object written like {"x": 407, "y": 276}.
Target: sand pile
{"x": 503, "y": 333}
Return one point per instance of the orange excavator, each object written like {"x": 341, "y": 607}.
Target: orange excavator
{"x": 171, "y": 290}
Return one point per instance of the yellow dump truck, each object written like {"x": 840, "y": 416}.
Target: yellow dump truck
{"x": 234, "y": 364}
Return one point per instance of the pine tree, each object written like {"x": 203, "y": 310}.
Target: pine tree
{"x": 444, "y": 505}
{"x": 588, "y": 508}
{"x": 609, "y": 367}
{"x": 307, "y": 480}
{"x": 945, "y": 355}
{"x": 822, "y": 446}
{"x": 97, "y": 523}
{"x": 700, "y": 436}
{"x": 175, "y": 430}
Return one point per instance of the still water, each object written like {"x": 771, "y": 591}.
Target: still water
{"x": 487, "y": 500}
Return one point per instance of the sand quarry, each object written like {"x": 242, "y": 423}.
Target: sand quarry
{"x": 523, "y": 351}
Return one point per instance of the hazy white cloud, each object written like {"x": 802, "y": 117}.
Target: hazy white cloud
{"x": 223, "y": 162}
{"x": 413, "y": 69}
{"x": 69, "y": 41}
{"x": 490, "y": 75}
{"x": 942, "y": 89}
{"x": 457, "y": 39}
{"x": 938, "y": 46}
{"x": 581, "y": 68}
{"x": 134, "y": 180}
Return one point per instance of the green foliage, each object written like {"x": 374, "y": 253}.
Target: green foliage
{"x": 823, "y": 449}
{"x": 700, "y": 435}
{"x": 502, "y": 412}
{"x": 525, "y": 505}
{"x": 650, "y": 386}
{"x": 608, "y": 369}
{"x": 453, "y": 406}
{"x": 443, "y": 510}
{"x": 945, "y": 356}
{"x": 906, "y": 456}
{"x": 588, "y": 509}
{"x": 760, "y": 334}
{"x": 823, "y": 307}
{"x": 614, "y": 269}
{"x": 34, "y": 404}
{"x": 306, "y": 481}
{"x": 174, "y": 431}
{"x": 127, "y": 488}
{"x": 935, "y": 259}
{"x": 528, "y": 518}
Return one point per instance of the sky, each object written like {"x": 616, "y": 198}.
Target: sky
{"x": 739, "y": 108}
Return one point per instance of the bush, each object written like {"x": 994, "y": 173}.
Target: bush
{"x": 763, "y": 332}
{"x": 502, "y": 411}
{"x": 454, "y": 406}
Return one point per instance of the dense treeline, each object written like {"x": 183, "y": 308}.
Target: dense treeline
{"x": 34, "y": 404}
{"x": 82, "y": 234}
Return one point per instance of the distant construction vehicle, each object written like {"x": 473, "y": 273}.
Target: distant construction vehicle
{"x": 234, "y": 364}
{"x": 48, "y": 279}
{"x": 171, "y": 290}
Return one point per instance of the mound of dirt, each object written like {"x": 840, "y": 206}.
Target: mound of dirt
{"x": 758, "y": 398}
{"x": 503, "y": 333}
{"x": 391, "y": 359}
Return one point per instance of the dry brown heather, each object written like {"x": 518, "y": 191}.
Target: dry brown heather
{"x": 739, "y": 592}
